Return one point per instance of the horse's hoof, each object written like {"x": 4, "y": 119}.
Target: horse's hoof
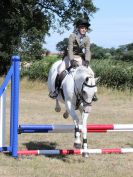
{"x": 65, "y": 115}
{"x": 57, "y": 109}
{"x": 77, "y": 145}
{"x": 85, "y": 154}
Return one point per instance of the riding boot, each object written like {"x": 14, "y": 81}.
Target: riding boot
{"x": 94, "y": 97}
{"x": 57, "y": 85}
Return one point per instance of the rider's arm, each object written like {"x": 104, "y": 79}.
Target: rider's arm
{"x": 70, "y": 46}
{"x": 87, "y": 50}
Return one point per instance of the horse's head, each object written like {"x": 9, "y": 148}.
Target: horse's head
{"x": 88, "y": 90}
{"x": 86, "y": 84}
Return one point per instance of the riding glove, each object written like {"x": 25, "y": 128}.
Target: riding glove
{"x": 86, "y": 63}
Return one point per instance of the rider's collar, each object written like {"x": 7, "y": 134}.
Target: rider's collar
{"x": 80, "y": 36}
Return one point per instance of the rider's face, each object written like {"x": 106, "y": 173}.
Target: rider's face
{"x": 82, "y": 30}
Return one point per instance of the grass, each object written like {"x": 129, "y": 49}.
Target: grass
{"x": 37, "y": 108}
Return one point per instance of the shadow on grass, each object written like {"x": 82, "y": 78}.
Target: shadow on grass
{"x": 40, "y": 145}
{"x": 46, "y": 146}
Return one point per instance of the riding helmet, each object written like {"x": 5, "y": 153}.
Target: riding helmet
{"x": 82, "y": 22}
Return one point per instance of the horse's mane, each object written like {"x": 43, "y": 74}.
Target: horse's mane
{"x": 84, "y": 70}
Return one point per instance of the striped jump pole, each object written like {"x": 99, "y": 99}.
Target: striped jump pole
{"x": 102, "y": 128}
{"x": 76, "y": 151}
{"x": 92, "y": 128}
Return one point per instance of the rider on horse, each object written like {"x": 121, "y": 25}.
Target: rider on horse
{"x": 78, "y": 53}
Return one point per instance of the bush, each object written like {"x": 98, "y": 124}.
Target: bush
{"x": 39, "y": 69}
{"x": 115, "y": 74}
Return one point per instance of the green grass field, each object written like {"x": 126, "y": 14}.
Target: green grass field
{"x": 37, "y": 108}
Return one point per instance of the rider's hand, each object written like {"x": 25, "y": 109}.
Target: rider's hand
{"x": 74, "y": 63}
{"x": 86, "y": 63}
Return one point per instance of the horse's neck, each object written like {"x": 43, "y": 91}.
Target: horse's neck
{"x": 78, "y": 80}
{"x": 84, "y": 70}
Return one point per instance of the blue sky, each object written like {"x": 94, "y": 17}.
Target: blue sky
{"x": 112, "y": 25}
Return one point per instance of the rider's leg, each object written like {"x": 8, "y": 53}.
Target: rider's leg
{"x": 61, "y": 72}
{"x": 55, "y": 93}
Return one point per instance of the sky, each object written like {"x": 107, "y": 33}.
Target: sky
{"x": 112, "y": 25}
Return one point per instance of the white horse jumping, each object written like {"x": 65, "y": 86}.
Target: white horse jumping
{"x": 76, "y": 92}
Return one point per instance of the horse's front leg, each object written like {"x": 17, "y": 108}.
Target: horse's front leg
{"x": 71, "y": 110}
{"x": 84, "y": 132}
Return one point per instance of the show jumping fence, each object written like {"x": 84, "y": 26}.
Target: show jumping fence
{"x": 15, "y": 128}
{"x": 13, "y": 76}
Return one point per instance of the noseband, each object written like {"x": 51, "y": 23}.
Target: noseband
{"x": 81, "y": 95}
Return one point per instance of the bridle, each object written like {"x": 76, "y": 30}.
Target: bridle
{"x": 80, "y": 95}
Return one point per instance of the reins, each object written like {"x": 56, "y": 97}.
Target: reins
{"x": 79, "y": 96}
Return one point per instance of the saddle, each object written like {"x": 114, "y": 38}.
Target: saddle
{"x": 61, "y": 77}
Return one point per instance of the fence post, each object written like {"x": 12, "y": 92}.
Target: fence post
{"x": 3, "y": 118}
{"x": 14, "y": 105}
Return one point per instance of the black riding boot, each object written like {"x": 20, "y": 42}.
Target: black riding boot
{"x": 57, "y": 85}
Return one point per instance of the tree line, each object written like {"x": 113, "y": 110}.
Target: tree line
{"x": 25, "y": 23}
{"x": 123, "y": 52}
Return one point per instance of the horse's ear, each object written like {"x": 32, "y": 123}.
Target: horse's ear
{"x": 97, "y": 79}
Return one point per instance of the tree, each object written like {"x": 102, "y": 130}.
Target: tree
{"x": 24, "y": 23}
{"x": 62, "y": 46}
{"x": 125, "y": 52}
{"x": 98, "y": 52}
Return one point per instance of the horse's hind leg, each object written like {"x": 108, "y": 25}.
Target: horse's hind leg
{"x": 66, "y": 114}
{"x": 57, "y": 106}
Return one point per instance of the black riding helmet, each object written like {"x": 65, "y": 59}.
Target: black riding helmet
{"x": 82, "y": 22}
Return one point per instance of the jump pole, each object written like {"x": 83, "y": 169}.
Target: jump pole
{"x": 91, "y": 128}
{"x": 76, "y": 151}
